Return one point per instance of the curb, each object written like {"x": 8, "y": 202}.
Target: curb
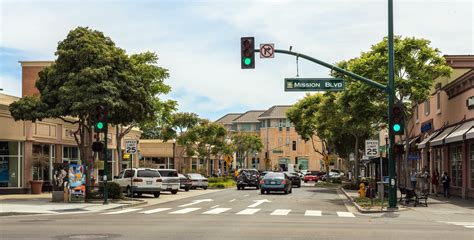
{"x": 362, "y": 210}
{"x": 138, "y": 203}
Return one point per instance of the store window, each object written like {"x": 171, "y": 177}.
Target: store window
{"x": 43, "y": 156}
{"x": 11, "y": 163}
{"x": 427, "y": 107}
{"x": 71, "y": 155}
{"x": 438, "y": 102}
{"x": 456, "y": 165}
{"x": 438, "y": 160}
{"x": 194, "y": 164}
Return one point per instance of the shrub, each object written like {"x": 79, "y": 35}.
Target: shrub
{"x": 335, "y": 180}
{"x": 220, "y": 185}
{"x": 113, "y": 189}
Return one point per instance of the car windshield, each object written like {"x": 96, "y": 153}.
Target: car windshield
{"x": 168, "y": 173}
{"x": 274, "y": 175}
{"x": 148, "y": 173}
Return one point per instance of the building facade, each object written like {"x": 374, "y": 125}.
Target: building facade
{"x": 22, "y": 141}
{"x": 443, "y": 128}
{"x": 283, "y": 148}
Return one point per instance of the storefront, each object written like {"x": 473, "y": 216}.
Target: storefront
{"x": 11, "y": 163}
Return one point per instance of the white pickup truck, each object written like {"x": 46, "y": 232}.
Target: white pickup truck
{"x": 139, "y": 181}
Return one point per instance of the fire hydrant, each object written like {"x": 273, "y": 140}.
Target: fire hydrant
{"x": 362, "y": 190}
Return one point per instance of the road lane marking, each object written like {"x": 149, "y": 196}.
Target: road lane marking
{"x": 155, "y": 210}
{"x": 248, "y": 211}
{"x": 123, "y": 211}
{"x": 215, "y": 206}
{"x": 216, "y": 211}
{"x": 196, "y": 202}
{"x": 185, "y": 210}
{"x": 345, "y": 214}
{"x": 312, "y": 213}
{"x": 232, "y": 200}
{"x": 281, "y": 212}
{"x": 258, "y": 202}
{"x": 464, "y": 224}
{"x": 246, "y": 195}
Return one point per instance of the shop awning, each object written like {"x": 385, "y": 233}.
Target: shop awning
{"x": 422, "y": 144}
{"x": 470, "y": 134}
{"x": 439, "y": 140}
{"x": 458, "y": 134}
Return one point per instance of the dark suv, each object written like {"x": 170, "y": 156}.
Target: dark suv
{"x": 248, "y": 178}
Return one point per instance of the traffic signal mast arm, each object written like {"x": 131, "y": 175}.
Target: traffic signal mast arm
{"x": 335, "y": 68}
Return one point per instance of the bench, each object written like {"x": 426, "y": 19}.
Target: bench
{"x": 411, "y": 195}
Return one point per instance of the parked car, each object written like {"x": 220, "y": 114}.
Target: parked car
{"x": 248, "y": 178}
{"x": 277, "y": 181}
{"x": 184, "y": 182}
{"x": 139, "y": 181}
{"x": 310, "y": 177}
{"x": 170, "y": 180}
{"x": 262, "y": 174}
{"x": 294, "y": 178}
{"x": 198, "y": 181}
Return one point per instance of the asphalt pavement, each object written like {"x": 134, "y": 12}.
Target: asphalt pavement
{"x": 308, "y": 213}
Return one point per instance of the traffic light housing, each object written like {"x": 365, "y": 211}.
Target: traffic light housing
{"x": 247, "y": 52}
{"x": 397, "y": 121}
{"x": 100, "y": 125}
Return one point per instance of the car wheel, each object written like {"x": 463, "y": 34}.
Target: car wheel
{"x": 186, "y": 189}
{"x": 139, "y": 194}
{"x": 286, "y": 191}
{"x": 205, "y": 188}
{"x": 305, "y": 181}
{"x": 157, "y": 195}
{"x": 262, "y": 191}
{"x": 129, "y": 192}
{"x": 174, "y": 191}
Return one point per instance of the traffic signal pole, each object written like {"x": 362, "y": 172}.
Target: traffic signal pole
{"x": 106, "y": 172}
{"x": 389, "y": 89}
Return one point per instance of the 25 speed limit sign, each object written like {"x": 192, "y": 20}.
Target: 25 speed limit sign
{"x": 131, "y": 146}
{"x": 371, "y": 148}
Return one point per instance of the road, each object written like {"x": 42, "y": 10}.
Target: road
{"x": 307, "y": 213}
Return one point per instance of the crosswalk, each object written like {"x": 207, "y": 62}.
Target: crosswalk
{"x": 220, "y": 210}
{"x": 463, "y": 224}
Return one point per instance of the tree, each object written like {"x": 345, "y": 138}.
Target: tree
{"x": 416, "y": 66}
{"x": 247, "y": 144}
{"x": 89, "y": 71}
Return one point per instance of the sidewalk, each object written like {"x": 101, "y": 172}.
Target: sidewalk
{"x": 21, "y": 204}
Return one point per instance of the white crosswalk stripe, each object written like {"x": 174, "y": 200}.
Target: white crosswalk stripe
{"x": 464, "y": 224}
{"x": 217, "y": 211}
{"x": 248, "y": 211}
{"x": 123, "y": 211}
{"x": 312, "y": 213}
{"x": 156, "y": 210}
{"x": 281, "y": 212}
{"x": 185, "y": 210}
{"x": 345, "y": 214}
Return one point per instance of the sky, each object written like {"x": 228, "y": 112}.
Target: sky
{"x": 199, "y": 41}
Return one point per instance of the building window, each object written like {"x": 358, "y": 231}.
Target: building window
{"x": 472, "y": 164}
{"x": 427, "y": 107}
{"x": 194, "y": 164}
{"x": 71, "y": 155}
{"x": 294, "y": 145}
{"x": 456, "y": 165}
{"x": 438, "y": 102}
{"x": 11, "y": 163}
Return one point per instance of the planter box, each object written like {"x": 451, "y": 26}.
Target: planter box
{"x": 36, "y": 186}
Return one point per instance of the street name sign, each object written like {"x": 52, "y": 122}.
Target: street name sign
{"x": 131, "y": 146}
{"x": 371, "y": 148}
{"x": 267, "y": 50}
{"x": 313, "y": 84}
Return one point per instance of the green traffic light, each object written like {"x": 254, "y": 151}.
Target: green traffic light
{"x": 247, "y": 61}
{"x": 100, "y": 125}
{"x": 396, "y": 127}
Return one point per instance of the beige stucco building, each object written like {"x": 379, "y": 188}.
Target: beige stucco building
{"x": 20, "y": 141}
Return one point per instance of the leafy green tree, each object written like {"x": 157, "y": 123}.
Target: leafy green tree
{"x": 89, "y": 71}
{"x": 417, "y": 64}
{"x": 247, "y": 144}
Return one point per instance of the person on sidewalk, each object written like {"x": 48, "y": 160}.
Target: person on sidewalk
{"x": 446, "y": 180}
{"x": 425, "y": 179}
{"x": 413, "y": 176}
{"x": 435, "y": 181}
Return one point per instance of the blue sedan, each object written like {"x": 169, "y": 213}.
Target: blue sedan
{"x": 275, "y": 181}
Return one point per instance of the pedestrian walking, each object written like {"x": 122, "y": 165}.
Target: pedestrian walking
{"x": 446, "y": 180}
{"x": 425, "y": 179}
{"x": 435, "y": 181}
{"x": 413, "y": 176}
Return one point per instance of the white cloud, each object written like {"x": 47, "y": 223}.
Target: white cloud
{"x": 199, "y": 41}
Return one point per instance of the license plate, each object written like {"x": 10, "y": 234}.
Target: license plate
{"x": 273, "y": 182}
{"x": 149, "y": 182}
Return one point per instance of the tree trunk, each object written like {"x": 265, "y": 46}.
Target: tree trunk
{"x": 119, "y": 143}
{"x": 356, "y": 160}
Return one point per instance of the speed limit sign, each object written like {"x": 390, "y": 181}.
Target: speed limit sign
{"x": 371, "y": 148}
{"x": 131, "y": 146}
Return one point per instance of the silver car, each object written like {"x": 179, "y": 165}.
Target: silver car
{"x": 198, "y": 181}
{"x": 170, "y": 180}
